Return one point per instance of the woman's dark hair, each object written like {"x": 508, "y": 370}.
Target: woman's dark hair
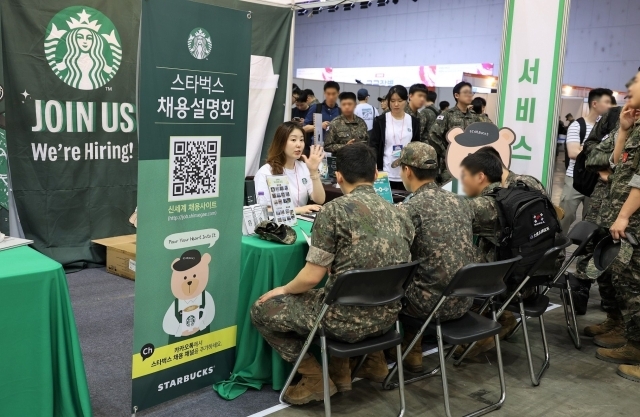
{"x": 400, "y": 90}
{"x": 276, "y": 157}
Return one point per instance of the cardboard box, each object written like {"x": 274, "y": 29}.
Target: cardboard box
{"x": 121, "y": 255}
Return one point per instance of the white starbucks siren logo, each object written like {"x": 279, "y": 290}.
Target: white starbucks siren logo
{"x": 199, "y": 43}
{"x": 83, "y": 47}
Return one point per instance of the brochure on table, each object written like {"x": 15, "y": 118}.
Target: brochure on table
{"x": 8, "y": 242}
{"x": 281, "y": 203}
{"x": 382, "y": 186}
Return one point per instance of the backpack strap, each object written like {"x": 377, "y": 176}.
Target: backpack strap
{"x": 583, "y": 129}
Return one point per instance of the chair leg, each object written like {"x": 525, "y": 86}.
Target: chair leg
{"x": 305, "y": 348}
{"x": 443, "y": 370}
{"x": 545, "y": 345}
{"x": 400, "y": 374}
{"x": 358, "y": 366}
{"x": 573, "y": 328}
{"x": 527, "y": 346}
{"x": 325, "y": 377}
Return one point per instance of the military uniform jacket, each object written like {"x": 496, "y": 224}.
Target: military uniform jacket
{"x": 430, "y": 113}
{"x": 486, "y": 224}
{"x": 360, "y": 231}
{"x": 527, "y": 180}
{"x": 626, "y": 175}
{"x": 448, "y": 119}
{"x": 443, "y": 243}
{"x": 342, "y": 131}
{"x": 422, "y": 117}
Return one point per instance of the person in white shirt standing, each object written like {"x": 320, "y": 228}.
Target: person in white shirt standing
{"x": 599, "y": 104}
{"x": 391, "y": 132}
{"x": 364, "y": 110}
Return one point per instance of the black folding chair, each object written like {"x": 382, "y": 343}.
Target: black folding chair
{"x": 541, "y": 273}
{"x": 362, "y": 288}
{"x": 582, "y": 234}
{"x": 475, "y": 280}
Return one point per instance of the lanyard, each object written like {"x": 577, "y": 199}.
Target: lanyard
{"x": 393, "y": 127}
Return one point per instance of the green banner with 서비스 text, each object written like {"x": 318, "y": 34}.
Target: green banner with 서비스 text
{"x": 193, "y": 89}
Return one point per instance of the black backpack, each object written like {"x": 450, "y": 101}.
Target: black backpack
{"x": 529, "y": 224}
{"x": 583, "y": 134}
{"x": 584, "y": 181}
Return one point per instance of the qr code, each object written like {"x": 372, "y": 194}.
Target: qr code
{"x": 194, "y": 167}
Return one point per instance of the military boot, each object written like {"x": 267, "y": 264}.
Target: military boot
{"x": 310, "y": 386}
{"x": 628, "y": 354}
{"x": 340, "y": 373}
{"x": 508, "y": 322}
{"x": 606, "y": 326}
{"x": 413, "y": 361}
{"x": 612, "y": 339}
{"x": 480, "y": 347}
{"x": 374, "y": 367}
{"x": 631, "y": 372}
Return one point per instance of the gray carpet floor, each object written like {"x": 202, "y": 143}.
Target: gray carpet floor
{"x": 103, "y": 308}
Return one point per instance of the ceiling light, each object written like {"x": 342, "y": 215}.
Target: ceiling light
{"x": 302, "y": 12}
{"x": 382, "y": 3}
{"x": 365, "y": 4}
{"x": 317, "y": 10}
{"x": 349, "y": 6}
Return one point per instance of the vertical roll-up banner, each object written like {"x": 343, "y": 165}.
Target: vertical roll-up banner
{"x": 534, "y": 38}
{"x": 193, "y": 86}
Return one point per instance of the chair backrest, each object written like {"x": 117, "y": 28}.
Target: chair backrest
{"x": 481, "y": 280}
{"x": 371, "y": 287}
{"x": 581, "y": 234}
{"x": 545, "y": 269}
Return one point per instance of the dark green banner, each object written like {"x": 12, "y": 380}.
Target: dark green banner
{"x": 71, "y": 121}
{"x": 193, "y": 101}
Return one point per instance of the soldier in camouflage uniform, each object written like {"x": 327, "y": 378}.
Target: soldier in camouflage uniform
{"x": 431, "y": 112}
{"x": 458, "y": 116}
{"x": 443, "y": 241}
{"x": 357, "y": 231}
{"x": 417, "y": 99}
{"x": 599, "y": 147}
{"x": 346, "y": 128}
{"x": 509, "y": 177}
{"x": 625, "y": 204}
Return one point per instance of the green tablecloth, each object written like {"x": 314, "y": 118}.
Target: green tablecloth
{"x": 265, "y": 265}
{"x": 41, "y": 368}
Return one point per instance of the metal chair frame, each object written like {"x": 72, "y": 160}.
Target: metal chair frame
{"x": 581, "y": 234}
{"x": 549, "y": 256}
{"x": 387, "y": 384}
{"x": 333, "y": 298}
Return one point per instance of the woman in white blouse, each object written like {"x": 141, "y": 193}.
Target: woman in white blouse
{"x": 285, "y": 158}
{"x": 392, "y": 131}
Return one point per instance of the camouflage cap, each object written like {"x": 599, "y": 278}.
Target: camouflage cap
{"x": 418, "y": 155}
{"x": 274, "y": 232}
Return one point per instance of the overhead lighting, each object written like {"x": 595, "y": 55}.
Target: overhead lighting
{"x": 349, "y": 6}
{"x": 333, "y": 9}
{"x": 317, "y": 10}
{"x": 302, "y": 12}
{"x": 382, "y": 3}
{"x": 365, "y": 4}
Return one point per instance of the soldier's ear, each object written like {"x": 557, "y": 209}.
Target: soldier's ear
{"x": 507, "y": 135}
{"x": 451, "y": 135}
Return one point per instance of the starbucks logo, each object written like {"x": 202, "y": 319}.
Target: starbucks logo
{"x": 83, "y": 47}
{"x": 191, "y": 320}
{"x": 199, "y": 43}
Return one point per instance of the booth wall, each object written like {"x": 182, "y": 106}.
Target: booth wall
{"x": 602, "y": 47}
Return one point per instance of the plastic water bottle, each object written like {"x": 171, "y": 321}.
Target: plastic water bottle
{"x": 264, "y": 204}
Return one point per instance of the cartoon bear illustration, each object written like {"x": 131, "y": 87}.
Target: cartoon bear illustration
{"x": 474, "y": 137}
{"x": 193, "y": 309}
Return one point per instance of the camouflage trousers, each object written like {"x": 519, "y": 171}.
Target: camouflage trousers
{"x": 626, "y": 280}
{"x": 610, "y": 302}
{"x": 286, "y": 320}
{"x": 419, "y": 304}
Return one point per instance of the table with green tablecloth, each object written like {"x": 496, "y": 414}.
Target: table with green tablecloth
{"x": 265, "y": 265}
{"x": 41, "y": 368}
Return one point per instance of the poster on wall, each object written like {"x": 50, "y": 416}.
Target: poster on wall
{"x": 530, "y": 78}
{"x": 193, "y": 109}
{"x": 71, "y": 121}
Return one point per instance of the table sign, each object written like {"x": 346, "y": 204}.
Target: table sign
{"x": 281, "y": 203}
{"x": 382, "y": 186}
